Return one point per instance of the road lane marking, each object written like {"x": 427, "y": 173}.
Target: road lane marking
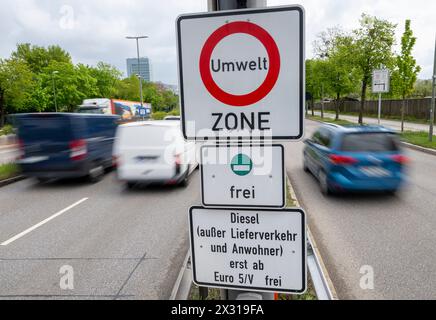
{"x": 22, "y": 234}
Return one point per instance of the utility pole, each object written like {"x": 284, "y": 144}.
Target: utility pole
{"x": 380, "y": 103}
{"x": 54, "y": 90}
{"x": 139, "y": 65}
{"x": 322, "y": 101}
{"x": 220, "y": 5}
{"x": 432, "y": 110}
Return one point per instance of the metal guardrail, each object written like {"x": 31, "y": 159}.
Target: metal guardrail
{"x": 182, "y": 287}
{"x": 319, "y": 279}
{"x": 323, "y": 286}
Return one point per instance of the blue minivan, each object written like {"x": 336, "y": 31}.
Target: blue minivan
{"x": 355, "y": 158}
{"x": 65, "y": 145}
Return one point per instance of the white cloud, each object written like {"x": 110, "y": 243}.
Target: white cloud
{"x": 100, "y": 26}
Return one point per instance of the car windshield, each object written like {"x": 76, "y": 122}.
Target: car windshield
{"x": 91, "y": 110}
{"x": 369, "y": 142}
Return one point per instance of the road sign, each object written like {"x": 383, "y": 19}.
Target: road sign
{"x": 260, "y": 250}
{"x": 241, "y": 165}
{"x": 243, "y": 176}
{"x": 242, "y": 73}
{"x": 380, "y": 81}
{"x": 142, "y": 112}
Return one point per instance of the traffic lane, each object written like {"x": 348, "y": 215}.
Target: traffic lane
{"x": 140, "y": 234}
{"x": 26, "y": 203}
{"x": 392, "y": 234}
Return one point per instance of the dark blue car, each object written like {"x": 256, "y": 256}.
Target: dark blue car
{"x": 355, "y": 158}
{"x": 65, "y": 145}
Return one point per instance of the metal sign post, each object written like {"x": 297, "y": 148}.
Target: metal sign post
{"x": 241, "y": 75}
{"x": 380, "y": 84}
{"x": 433, "y": 97}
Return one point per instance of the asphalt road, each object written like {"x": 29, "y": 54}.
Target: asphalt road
{"x": 131, "y": 245}
{"x": 395, "y": 235}
{"x": 121, "y": 244}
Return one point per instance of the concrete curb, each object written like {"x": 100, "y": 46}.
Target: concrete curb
{"x": 330, "y": 287}
{"x": 183, "y": 284}
{"x": 6, "y": 182}
{"x": 418, "y": 148}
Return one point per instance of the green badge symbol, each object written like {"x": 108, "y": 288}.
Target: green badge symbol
{"x": 241, "y": 165}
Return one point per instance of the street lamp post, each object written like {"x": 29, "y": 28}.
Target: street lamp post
{"x": 433, "y": 97}
{"x": 139, "y": 65}
{"x": 54, "y": 89}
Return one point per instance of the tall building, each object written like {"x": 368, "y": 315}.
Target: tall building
{"x": 144, "y": 69}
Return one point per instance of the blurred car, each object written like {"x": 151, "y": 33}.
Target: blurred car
{"x": 355, "y": 158}
{"x": 153, "y": 152}
{"x": 172, "y": 118}
{"x": 65, "y": 145}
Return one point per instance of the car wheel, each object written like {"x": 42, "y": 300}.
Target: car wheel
{"x": 392, "y": 193}
{"x": 305, "y": 167}
{"x": 323, "y": 183}
{"x": 43, "y": 180}
{"x": 184, "y": 183}
{"x": 96, "y": 174}
{"x": 130, "y": 185}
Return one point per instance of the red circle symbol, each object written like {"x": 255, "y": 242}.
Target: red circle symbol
{"x": 274, "y": 66}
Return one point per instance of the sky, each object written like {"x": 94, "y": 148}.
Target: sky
{"x": 95, "y": 30}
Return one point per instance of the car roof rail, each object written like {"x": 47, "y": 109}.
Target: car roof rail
{"x": 333, "y": 125}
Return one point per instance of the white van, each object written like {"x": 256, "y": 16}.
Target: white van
{"x": 153, "y": 152}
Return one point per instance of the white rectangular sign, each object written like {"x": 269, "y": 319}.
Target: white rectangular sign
{"x": 260, "y": 250}
{"x": 241, "y": 73}
{"x": 380, "y": 81}
{"x": 243, "y": 176}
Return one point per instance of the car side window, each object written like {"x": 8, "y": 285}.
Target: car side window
{"x": 316, "y": 138}
{"x": 322, "y": 137}
{"x": 326, "y": 138}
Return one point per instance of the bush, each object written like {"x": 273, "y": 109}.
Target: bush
{"x": 175, "y": 112}
{"x": 7, "y": 129}
{"x": 159, "y": 115}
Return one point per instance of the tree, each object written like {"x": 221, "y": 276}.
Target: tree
{"x": 313, "y": 81}
{"x": 107, "y": 77}
{"x": 407, "y": 70}
{"x": 371, "y": 47}
{"x": 422, "y": 88}
{"x": 338, "y": 75}
{"x": 15, "y": 83}
{"x": 327, "y": 42}
{"x": 37, "y": 58}
{"x": 73, "y": 84}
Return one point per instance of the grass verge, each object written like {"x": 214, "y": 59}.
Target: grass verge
{"x": 8, "y": 171}
{"x": 418, "y": 138}
{"x": 339, "y": 122}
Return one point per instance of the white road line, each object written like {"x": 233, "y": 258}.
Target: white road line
{"x": 22, "y": 234}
